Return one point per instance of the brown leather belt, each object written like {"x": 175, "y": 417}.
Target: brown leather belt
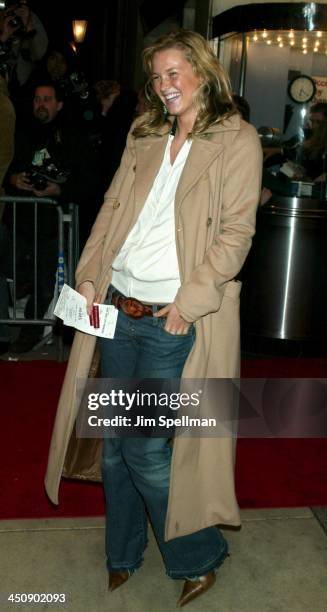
{"x": 133, "y": 307}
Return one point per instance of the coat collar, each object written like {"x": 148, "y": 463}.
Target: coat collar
{"x": 204, "y": 151}
{"x": 150, "y": 152}
{"x": 231, "y": 124}
{"x": 202, "y": 154}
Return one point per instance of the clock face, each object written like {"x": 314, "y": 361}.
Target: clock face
{"x": 302, "y": 89}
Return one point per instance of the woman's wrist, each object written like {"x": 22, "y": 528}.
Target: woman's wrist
{"x": 85, "y": 281}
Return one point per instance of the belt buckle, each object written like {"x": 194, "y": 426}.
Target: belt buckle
{"x": 133, "y": 308}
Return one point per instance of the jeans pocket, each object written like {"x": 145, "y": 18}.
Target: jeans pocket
{"x": 162, "y": 323}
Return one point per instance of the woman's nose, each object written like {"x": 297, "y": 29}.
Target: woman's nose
{"x": 164, "y": 83}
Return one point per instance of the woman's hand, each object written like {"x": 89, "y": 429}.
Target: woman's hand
{"x": 87, "y": 289}
{"x": 175, "y": 324}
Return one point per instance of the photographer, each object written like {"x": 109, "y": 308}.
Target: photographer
{"x": 52, "y": 159}
{"x": 27, "y": 36}
{"x": 23, "y": 43}
{"x": 49, "y": 138}
{"x": 62, "y": 66}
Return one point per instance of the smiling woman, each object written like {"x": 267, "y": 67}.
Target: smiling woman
{"x": 175, "y": 82}
{"x": 173, "y": 233}
{"x": 200, "y": 69}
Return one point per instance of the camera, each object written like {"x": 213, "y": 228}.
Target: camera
{"x": 39, "y": 176}
{"x": 79, "y": 85}
{"x": 38, "y": 181}
{"x": 15, "y": 20}
{"x": 75, "y": 84}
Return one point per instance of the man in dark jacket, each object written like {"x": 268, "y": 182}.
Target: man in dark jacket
{"x": 50, "y": 137}
{"x": 53, "y": 159}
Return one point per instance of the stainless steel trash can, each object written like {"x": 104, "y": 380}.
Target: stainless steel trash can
{"x": 284, "y": 291}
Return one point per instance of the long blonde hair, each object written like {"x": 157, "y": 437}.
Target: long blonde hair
{"x": 213, "y": 98}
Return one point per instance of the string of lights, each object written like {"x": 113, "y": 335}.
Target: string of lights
{"x": 315, "y": 42}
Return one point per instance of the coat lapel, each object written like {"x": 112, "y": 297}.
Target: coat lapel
{"x": 202, "y": 154}
{"x": 149, "y": 156}
{"x": 150, "y": 152}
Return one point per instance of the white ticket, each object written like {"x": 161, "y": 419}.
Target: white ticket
{"x": 71, "y": 308}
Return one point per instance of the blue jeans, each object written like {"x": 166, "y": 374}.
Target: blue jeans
{"x": 136, "y": 471}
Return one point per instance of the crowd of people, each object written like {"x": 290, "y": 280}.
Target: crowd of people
{"x": 62, "y": 137}
{"x": 67, "y": 144}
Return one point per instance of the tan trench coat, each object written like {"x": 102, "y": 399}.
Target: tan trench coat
{"x": 215, "y": 209}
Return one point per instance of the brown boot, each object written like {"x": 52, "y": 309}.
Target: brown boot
{"x": 194, "y": 588}
{"x": 116, "y": 579}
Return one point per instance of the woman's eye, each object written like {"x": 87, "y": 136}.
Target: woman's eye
{"x": 155, "y": 78}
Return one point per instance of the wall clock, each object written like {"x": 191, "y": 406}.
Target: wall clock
{"x": 302, "y": 89}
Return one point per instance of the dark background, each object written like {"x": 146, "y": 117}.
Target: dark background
{"x": 115, "y": 33}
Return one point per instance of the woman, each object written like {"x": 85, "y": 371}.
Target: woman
{"x": 173, "y": 232}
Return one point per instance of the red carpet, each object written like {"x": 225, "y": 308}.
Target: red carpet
{"x": 270, "y": 472}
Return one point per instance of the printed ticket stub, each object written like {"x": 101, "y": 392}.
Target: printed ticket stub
{"x": 71, "y": 308}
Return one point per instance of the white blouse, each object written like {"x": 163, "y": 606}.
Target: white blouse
{"x": 146, "y": 266}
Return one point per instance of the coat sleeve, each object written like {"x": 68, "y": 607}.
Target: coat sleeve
{"x": 204, "y": 290}
{"x": 89, "y": 265}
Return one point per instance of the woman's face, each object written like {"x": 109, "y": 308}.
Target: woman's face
{"x": 175, "y": 82}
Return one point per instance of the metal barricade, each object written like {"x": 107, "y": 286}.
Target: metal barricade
{"x": 67, "y": 239}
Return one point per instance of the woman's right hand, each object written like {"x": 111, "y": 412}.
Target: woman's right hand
{"x": 87, "y": 290}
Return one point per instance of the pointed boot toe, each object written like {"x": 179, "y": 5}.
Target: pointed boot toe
{"x": 194, "y": 588}
{"x": 116, "y": 579}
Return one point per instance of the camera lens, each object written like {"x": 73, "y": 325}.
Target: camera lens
{"x": 40, "y": 183}
{"x": 16, "y": 22}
